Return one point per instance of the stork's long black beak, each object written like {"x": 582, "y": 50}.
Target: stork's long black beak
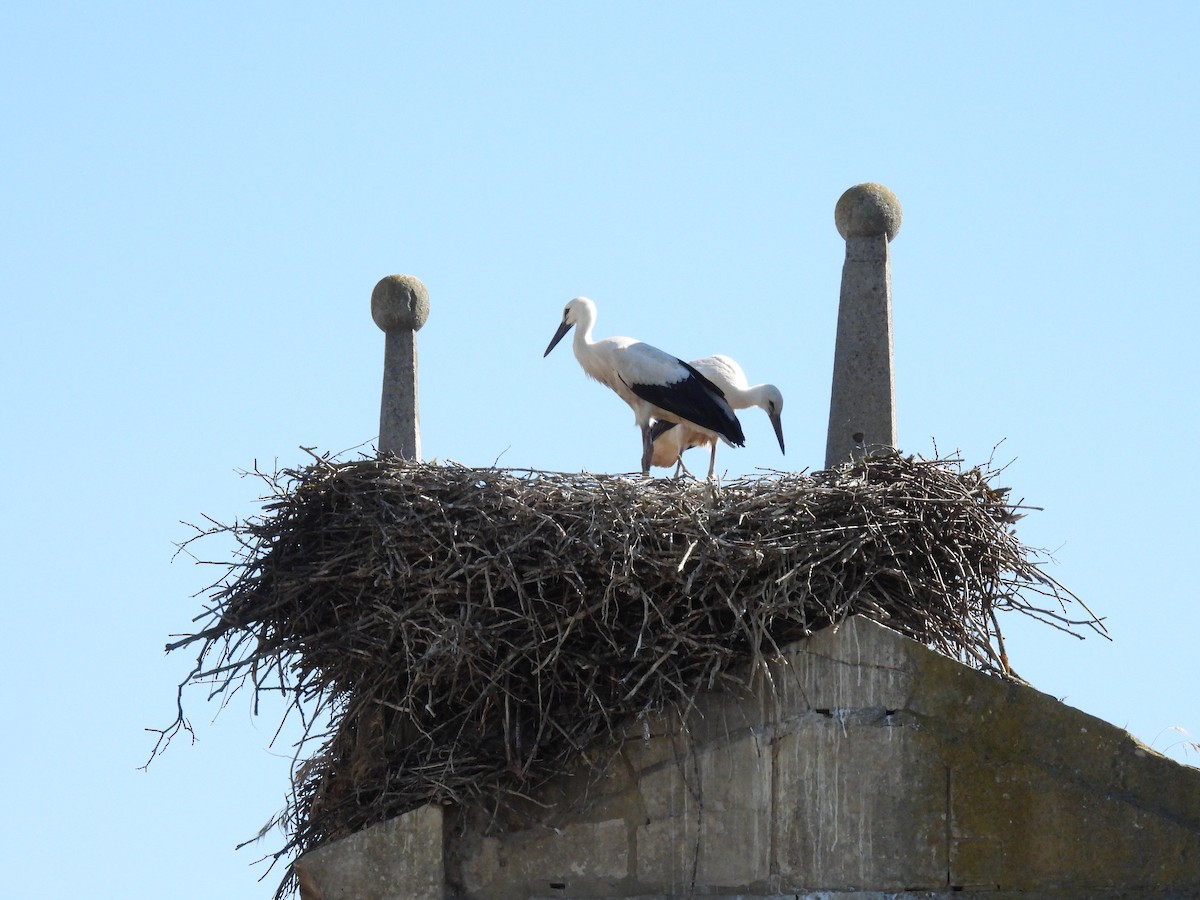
{"x": 558, "y": 336}
{"x": 777, "y": 424}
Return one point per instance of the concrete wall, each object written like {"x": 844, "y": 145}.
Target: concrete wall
{"x": 862, "y": 765}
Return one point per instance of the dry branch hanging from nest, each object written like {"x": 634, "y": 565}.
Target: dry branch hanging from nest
{"x": 467, "y": 629}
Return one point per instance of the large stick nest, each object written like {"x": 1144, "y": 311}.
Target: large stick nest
{"x": 456, "y": 631}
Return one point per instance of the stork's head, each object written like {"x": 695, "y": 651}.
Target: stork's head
{"x": 771, "y": 402}
{"x": 579, "y": 310}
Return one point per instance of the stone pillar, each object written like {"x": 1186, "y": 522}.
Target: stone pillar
{"x": 400, "y": 306}
{"x": 862, "y": 407}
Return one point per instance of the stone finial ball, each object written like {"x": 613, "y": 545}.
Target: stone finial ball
{"x": 867, "y": 210}
{"x": 398, "y": 302}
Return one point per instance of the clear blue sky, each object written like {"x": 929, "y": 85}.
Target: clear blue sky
{"x": 197, "y": 201}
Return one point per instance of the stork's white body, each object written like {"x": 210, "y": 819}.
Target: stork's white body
{"x": 725, "y": 373}
{"x": 655, "y": 384}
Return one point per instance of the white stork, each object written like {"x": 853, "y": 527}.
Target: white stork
{"x": 671, "y": 440}
{"x": 656, "y": 385}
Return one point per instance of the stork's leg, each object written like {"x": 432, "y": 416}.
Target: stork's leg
{"x": 712, "y": 465}
{"x": 647, "y": 450}
{"x": 681, "y": 469}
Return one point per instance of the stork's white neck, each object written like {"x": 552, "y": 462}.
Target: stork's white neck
{"x": 583, "y": 328}
{"x": 751, "y": 396}
{"x": 743, "y": 398}
{"x": 583, "y": 335}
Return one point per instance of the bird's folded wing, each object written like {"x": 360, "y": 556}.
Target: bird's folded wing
{"x": 693, "y": 398}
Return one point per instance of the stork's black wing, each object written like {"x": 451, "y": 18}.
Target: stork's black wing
{"x": 695, "y": 399}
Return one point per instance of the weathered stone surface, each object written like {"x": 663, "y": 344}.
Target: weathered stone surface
{"x": 651, "y": 743}
{"x": 867, "y": 210}
{"x": 1042, "y": 795}
{"x": 850, "y": 667}
{"x": 589, "y": 859}
{"x": 862, "y": 403}
{"x": 708, "y": 817}
{"x": 400, "y": 859}
{"x": 726, "y": 849}
{"x": 400, "y": 302}
{"x": 857, "y": 765}
{"x": 399, "y": 408}
{"x": 859, "y": 805}
{"x": 400, "y": 306}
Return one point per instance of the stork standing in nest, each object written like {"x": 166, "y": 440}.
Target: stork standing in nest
{"x": 656, "y": 385}
{"x": 671, "y": 440}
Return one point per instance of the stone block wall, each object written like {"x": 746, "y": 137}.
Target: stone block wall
{"x": 859, "y": 764}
